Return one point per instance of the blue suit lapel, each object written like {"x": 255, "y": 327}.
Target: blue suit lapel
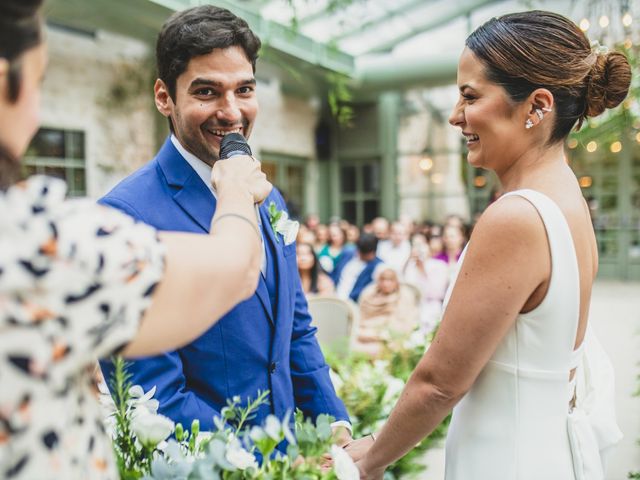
{"x": 283, "y": 287}
{"x": 191, "y": 194}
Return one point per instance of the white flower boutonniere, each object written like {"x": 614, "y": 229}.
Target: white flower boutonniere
{"x": 281, "y": 224}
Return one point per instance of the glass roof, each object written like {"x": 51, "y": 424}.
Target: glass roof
{"x": 406, "y": 27}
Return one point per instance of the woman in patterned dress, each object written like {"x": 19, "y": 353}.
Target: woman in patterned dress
{"x": 80, "y": 281}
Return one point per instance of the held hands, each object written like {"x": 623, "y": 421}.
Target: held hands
{"x": 358, "y": 448}
{"x": 241, "y": 173}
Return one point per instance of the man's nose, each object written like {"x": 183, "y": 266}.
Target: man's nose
{"x": 229, "y": 111}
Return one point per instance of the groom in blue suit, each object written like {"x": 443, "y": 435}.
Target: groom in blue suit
{"x": 206, "y": 88}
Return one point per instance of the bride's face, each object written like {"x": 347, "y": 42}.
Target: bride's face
{"x": 19, "y": 119}
{"x": 491, "y": 123}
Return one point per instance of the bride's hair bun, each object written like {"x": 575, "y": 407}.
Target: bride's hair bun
{"x": 607, "y": 83}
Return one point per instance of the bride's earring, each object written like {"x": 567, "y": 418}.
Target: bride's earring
{"x": 528, "y": 124}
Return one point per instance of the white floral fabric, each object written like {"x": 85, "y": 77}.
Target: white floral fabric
{"x": 75, "y": 280}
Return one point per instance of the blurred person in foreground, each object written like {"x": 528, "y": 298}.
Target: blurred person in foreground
{"x": 206, "y": 58}
{"x": 388, "y": 310}
{"x": 314, "y": 280}
{"x": 430, "y": 277}
{"x": 510, "y": 345}
{"x": 80, "y": 281}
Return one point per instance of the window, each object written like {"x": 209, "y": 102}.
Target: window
{"x": 59, "y": 153}
{"x": 360, "y": 190}
{"x": 288, "y": 174}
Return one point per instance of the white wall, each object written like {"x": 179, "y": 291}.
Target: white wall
{"x": 82, "y": 70}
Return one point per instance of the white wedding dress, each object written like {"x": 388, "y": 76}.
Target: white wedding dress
{"x": 515, "y": 422}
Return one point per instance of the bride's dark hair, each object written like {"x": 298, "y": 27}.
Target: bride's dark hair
{"x": 20, "y": 30}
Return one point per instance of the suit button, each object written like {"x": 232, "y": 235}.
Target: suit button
{"x": 272, "y": 367}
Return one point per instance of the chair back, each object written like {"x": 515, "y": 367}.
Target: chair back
{"x": 336, "y": 321}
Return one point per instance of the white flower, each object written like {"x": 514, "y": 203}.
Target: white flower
{"x": 151, "y": 428}
{"x": 343, "y": 465}
{"x": 239, "y": 457}
{"x": 272, "y": 427}
{"x": 287, "y": 228}
{"x": 142, "y": 401}
{"x": 257, "y": 434}
{"x": 394, "y": 388}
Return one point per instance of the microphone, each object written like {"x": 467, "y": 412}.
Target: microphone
{"x": 233, "y": 145}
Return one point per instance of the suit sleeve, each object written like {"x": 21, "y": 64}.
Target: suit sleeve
{"x": 176, "y": 401}
{"x": 163, "y": 371}
{"x": 312, "y": 387}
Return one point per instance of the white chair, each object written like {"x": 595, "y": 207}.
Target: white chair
{"x": 336, "y": 321}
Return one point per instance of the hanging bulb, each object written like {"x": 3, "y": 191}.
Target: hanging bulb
{"x": 627, "y": 19}
{"x": 584, "y": 24}
{"x": 604, "y": 21}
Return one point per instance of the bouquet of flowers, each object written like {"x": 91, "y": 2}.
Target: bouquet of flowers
{"x": 143, "y": 450}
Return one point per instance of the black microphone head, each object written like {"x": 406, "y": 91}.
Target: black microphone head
{"x": 233, "y": 144}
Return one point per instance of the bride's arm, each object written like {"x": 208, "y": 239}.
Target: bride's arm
{"x": 507, "y": 261}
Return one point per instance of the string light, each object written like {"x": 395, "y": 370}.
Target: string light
{"x": 604, "y": 21}
{"x": 616, "y": 147}
{"x": 585, "y": 182}
{"x": 572, "y": 143}
{"x": 425, "y": 164}
{"x": 638, "y": 137}
{"x": 628, "y": 43}
{"x": 584, "y": 24}
{"x": 480, "y": 181}
{"x": 592, "y": 146}
{"x": 627, "y": 19}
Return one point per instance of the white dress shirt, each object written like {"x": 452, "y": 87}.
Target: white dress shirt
{"x": 204, "y": 172}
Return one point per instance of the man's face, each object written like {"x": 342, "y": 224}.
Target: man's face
{"x": 214, "y": 96}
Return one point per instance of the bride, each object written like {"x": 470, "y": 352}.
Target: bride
{"x": 512, "y": 333}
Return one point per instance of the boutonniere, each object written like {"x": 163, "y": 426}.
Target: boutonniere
{"x": 281, "y": 224}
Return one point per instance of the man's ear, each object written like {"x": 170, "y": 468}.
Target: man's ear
{"x": 164, "y": 102}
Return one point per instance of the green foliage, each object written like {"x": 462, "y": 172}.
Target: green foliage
{"x": 339, "y": 97}
{"x": 371, "y": 388}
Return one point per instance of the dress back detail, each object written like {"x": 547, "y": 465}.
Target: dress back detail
{"x": 512, "y": 424}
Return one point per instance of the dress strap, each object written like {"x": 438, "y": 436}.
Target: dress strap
{"x": 564, "y": 284}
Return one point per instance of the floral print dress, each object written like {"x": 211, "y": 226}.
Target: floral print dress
{"x": 75, "y": 280}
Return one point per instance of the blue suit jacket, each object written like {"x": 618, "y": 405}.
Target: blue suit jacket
{"x": 248, "y": 349}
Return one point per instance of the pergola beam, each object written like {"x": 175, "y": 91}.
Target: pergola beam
{"x": 375, "y": 22}
{"x": 448, "y": 13}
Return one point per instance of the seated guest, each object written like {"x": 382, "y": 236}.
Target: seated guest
{"x": 431, "y": 277}
{"x": 387, "y": 309}
{"x": 395, "y": 252}
{"x": 453, "y": 241}
{"x": 331, "y": 253}
{"x": 314, "y": 280}
{"x": 359, "y": 270}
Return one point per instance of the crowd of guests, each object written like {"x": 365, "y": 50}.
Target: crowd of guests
{"x": 396, "y": 272}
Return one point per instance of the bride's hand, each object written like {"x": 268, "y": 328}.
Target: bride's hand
{"x": 369, "y": 475}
